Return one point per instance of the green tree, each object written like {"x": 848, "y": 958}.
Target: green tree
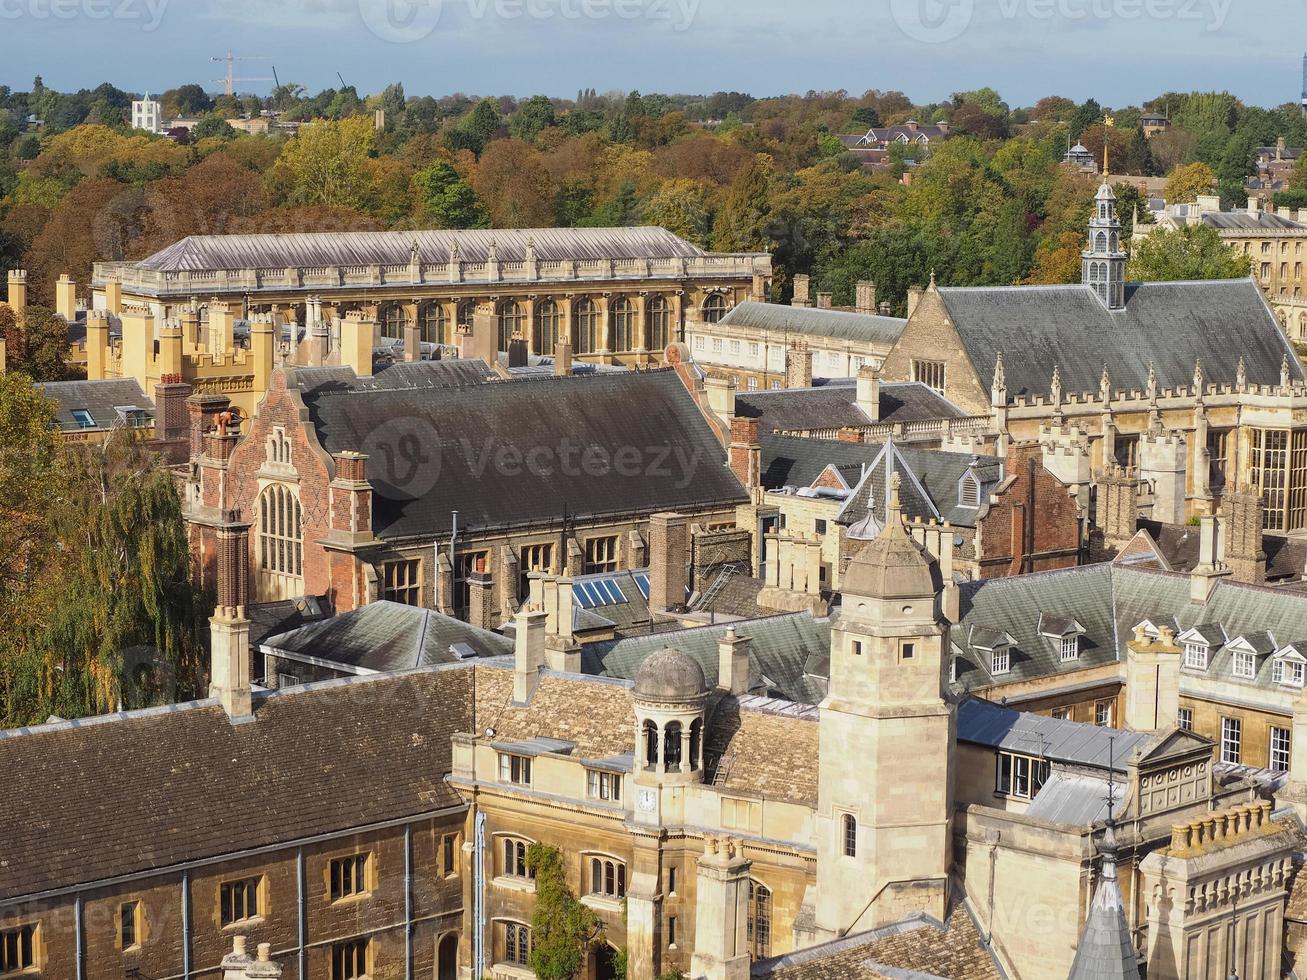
{"x": 533, "y": 115}
{"x": 211, "y": 126}
{"x": 38, "y": 345}
{"x": 1191, "y": 252}
{"x": 562, "y": 929}
{"x": 327, "y": 162}
{"x": 446, "y": 199}
{"x": 743, "y": 219}
{"x": 681, "y": 206}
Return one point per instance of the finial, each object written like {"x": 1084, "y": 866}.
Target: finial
{"x": 1198, "y": 375}
{"x": 1055, "y": 388}
{"x": 1241, "y": 372}
{"x": 1000, "y": 374}
{"x": 1152, "y": 380}
{"x": 1105, "y": 383}
{"x": 895, "y": 481}
{"x": 1284, "y": 372}
{"x": 932, "y": 278}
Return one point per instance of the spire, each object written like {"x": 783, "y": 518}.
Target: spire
{"x": 1241, "y": 373}
{"x": 1106, "y": 950}
{"x": 998, "y": 388}
{"x": 1105, "y": 384}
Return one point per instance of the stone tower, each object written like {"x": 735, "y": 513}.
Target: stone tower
{"x": 1103, "y": 262}
{"x": 885, "y": 779}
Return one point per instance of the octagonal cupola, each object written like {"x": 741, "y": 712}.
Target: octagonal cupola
{"x": 669, "y": 697}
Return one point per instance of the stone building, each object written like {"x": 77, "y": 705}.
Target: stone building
{"x": 617, "y": 296}
{"x": 1193, "y": 386}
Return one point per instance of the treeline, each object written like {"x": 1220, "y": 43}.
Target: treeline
{"x": 991, "y": 205}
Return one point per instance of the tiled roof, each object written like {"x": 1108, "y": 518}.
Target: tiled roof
{"x": 1250, "y": 221}
{"x": 388, "y": 636}
{"x": 1057, "y": 739}
{"x": 361, "y": 248}
{"x": 835, "y": 405}
{"x": 1169, "y": 326}
{"x": 417, "y": 374}
{"x": 809, "y": 321}
{"x": 119, "y": 794}
{"x": 568, "y": 442}
{"x": 1179, "y": 544}
{"x": 100, "y": 399}
{"x": 916, "y": 949}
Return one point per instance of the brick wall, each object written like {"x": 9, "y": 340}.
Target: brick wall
{"x": 1051, "y": 540}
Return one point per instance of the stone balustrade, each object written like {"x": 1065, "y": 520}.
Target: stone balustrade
{"x": 1222, "y": 828}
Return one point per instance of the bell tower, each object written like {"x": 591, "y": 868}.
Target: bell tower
{"x": 885, "y": 771}
{"x": 1103, "y": 262}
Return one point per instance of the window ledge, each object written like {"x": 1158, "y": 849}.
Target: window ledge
{"x": 511, "y": 970}
{"x": 514, "y": 884}
{"x": 346, "y": 900}
{"x": 254, "y": 920}
{"x": 602, "y": 903}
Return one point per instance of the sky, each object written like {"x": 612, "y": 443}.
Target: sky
{"x": 1120, "y": 52}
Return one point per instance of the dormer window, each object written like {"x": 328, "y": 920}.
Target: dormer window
{"x": 1289, "y": 668}
{"x": 1064, "y": 634}
{"x": 1000, "y": 660}
{"x": 969, "y": 490}
{"x": 1196, "y": 656}
{"x": 1245, "y": 665}
{"x": 1070, "y": 648}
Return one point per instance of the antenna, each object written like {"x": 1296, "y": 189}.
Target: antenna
{"x": 230, "y": 80}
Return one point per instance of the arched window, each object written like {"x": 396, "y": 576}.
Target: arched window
{"x": 434, "y": 324}
{"x": 1100, "y": 242}
{"x": 464, "y": 311}
{"x": 511, "y": 319}
{"x": 281, "y": 543}
{"x": 393, "y": 320}
{"x": 625, "y": 336}
{"x": 1116, "y": 242}
{"x": 650, "y": 744}
{"x": 672, "y": 746}
{"x": 547, "y": 327}
{"x": 849, "y": 835}
{"x": 660, "y": 323}
{"x": 277, "y": 450}
{"x": 607, "y": 877}
{"x": 714, "y": 308}
{"x": 696, "y": 741}
{"x": 758, "y": 921}
{"x": 587, "y": 327}
{"x": 514, "y": 859}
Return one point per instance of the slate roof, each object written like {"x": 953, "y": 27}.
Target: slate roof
{"x": 1250, "y": 221}
{"x": 388, "y": 636}
{"x": 1106, "y": 950}
{"x": 402, "y": 374}
{"x": 1109, "y": 601}
{"x": 100, "y": 398}
{"x": 1167, "y": 325}
{"x": 511, "y": 454}
{"x": 835, "y": 406}
{"x": 198, "y": 786}
{"x": 929, "y": 488}
{"x": 808, "y": 321}
{"x": 360, "y": 248}
{"x": 1179, "y": 546}
{"x": 915, "y": 949}
{"x": 1056, "y": 739}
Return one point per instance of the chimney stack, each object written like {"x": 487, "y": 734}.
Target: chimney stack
{"x": 868, "y": 392}
{"x": 668, "y": 559}
{"x": 798, "y": 365}
{"x": 824, "y": 301}
{"x": 222, "y": 328}
{"x": 528, "y": 651}
{"x": 802, "y": 284}
{"x": 1244, "y": 517}
{"x": 229, "y": 629}
{"x": 865, "y": 296}
{"x": 563, "y": 359}
{"x": 746, "y": 452}
{"x": 914, "y": 298}
{"x": 733, "y": 663}
{"x": 481, "y": 598}
{"x": 65, "y": 298}
{"x": 356, "y": 342}
{"x": 17, "y": 295}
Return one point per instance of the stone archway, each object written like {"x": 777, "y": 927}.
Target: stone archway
{"x": 447, "y": 957}
{"x": 603, "y": 962}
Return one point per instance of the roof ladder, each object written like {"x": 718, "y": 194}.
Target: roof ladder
{"x": 715, "y": 589}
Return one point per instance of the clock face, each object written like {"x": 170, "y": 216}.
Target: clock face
{"x": 648, "y": 800}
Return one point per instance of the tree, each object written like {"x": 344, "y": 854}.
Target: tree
{"x": 1191, "y": 252}
{"x": 326, "y": 162}
{"x": 514, "y": 185}
{"x": 188, "y": 100}
{"x": 562, "y": 929}
{"x": 533, "y": 115}
{"x": 1185, "y": 183}
{"x": 742, "y": 221}
{"x": 681, "y": 206}
{"x": 446, "y": 200}
{"x": 38, "y": 347}
{"x": 213, "y": 127}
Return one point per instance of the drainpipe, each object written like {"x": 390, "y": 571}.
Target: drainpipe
{"x": 479, "y": 897}
{"x": 78, "y": 938}
{"x": 408, "y": 902}
{"x": 302, "y": 899}
{"x": 186, "y": 925}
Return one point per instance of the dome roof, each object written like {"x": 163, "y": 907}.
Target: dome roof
{"x": 893, "y": 566}
{"x": 670, "y": 675}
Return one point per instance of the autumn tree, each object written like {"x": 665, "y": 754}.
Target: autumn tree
{"x": 326, "y": 162}
{"x": 514, "y": 185}
{"x": 1185, "y": 183}
{"x": 741, "y": 224}
{"x": 1188, "y": 253}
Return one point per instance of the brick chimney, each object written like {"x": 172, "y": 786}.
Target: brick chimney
{"x": 481, "y": 598}
{"x": 669, "y": 540}
{"x": 1118, "y": 507}
{"x": 1244, "y": 521}
{"x": 172, "y": 421}
{"x": 802, "y": 285}
{"x": 746, "y": 452}
{"x": 229, "y": 629}
{"x": 798, "y": 365}
{"x": 351, "y": 497}
{"x": 203, "y": 409}
{"x": 824, "y": 301}
{"x": 865, "y": 296}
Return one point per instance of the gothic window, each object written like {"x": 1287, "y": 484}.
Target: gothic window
{"x": 672, "y": 745}
{"x": 281, "y": 543}
{"x": 587, "y": 327}
{"x": 511, "y": 319}
{"x": 434, "y": 324}
{"x": 517, "y": 943}
{"x": 349, "y": 960}
{"x": 714, "y": 308}
{"x": 625, "y": 335}
{"x": 601, "y": 555}
{"x": 1100, "y": 242}
{"x": 278, "y": 447}
{"x": 1116, "y": 242}
{"x": 849, "y": 835}
{"x": 546, "y": 327}
{"x": 393, "y": 320}
{"x": 758, "y": 920}
{"x": 660, "y": 324}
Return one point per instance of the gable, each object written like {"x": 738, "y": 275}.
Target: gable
{"x": 930, "y": 335}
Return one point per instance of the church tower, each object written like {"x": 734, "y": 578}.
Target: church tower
{"x": 1103, "y": 262}
{"x": 887, "y": 734}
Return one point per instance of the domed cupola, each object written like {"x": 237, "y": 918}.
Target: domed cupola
{"x": 670, "y": 694}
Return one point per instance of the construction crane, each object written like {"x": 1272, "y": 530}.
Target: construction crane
{"x": 230, "y": 80}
